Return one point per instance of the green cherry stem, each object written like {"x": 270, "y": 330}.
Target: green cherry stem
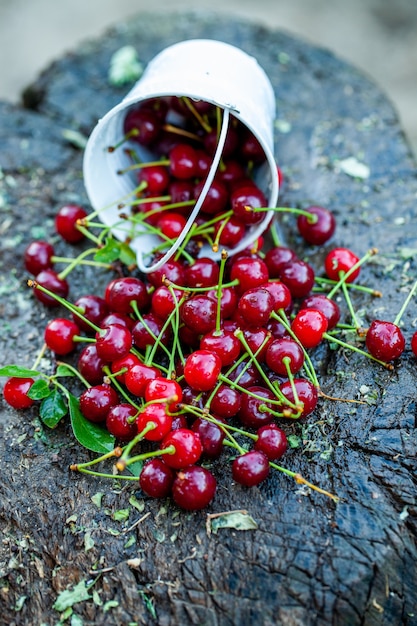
{"x": 120, "y": 389}
{"x": 345, "y": 275}
{"x": 333, "y": 339}
{"x": 405, "y": 304}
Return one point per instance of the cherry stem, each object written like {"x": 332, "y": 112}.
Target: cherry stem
{"x": 137, "y": 166}
{"x": 71, "y": 307}
{"x": 345, "y": 275}
{"x": 157, "y": 339}
{"x": 405, "y": 304}
{"x": 103, "y": 475}
{"x": 274, "y": 234}
{"x": 329, "y": 281}
{"x": 150, "y": 455}
{"x": 219, "y": 291}
{"x": 137, "y": 439}
{"x": 312, "y": 217}
{"x": 350, "y": 305}
{"x": 188, "y": 103}
{"x": 300, "y": 480}
{"x": 343, "y": 344}
{"x": 120, "y": 389}
{"x": 40, "y": 356}
{"x": 115, "y": 452}
{"x": 181, "y": 131}
{"x": 75, "y": 371}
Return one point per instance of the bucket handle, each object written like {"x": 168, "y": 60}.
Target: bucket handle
{"x": 212, "y": 171}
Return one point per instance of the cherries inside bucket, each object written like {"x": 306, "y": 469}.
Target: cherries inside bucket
{"x": 202, "y": 366}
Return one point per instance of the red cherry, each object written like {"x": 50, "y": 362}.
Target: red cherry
{"x": 144, "y": 123}
{"x": 66, "y": 222}
{"x": 157, "y": 415}
{"x": 156, "y": 478}
{"x": 298, "y": 276}
{"x": 250, "y": 468}
{"x": 231, "y": 231}
{"x": 172, "y": 271}
{"x": 243, "y": 199}
{"x": 385, "y": 341}
{"x": 225, "y": 402}
{"x": 121, "y": 292}
{"x": 156, "y": 178}
{"x": 171, "y": 224}
{"x": 250, "y": 272}
{"x": 328, "y": 307}
{"x": 216, "y": 198}
{"x": 15, "y": 392}
{"x": 164, "y": 388}
{"x": 309, "y": 325}
{"x": 188, "y": 448}
{"x": 282, "y": 351}
{"x": 341, "y": 260}
{"x": 118, "y": 422}
{"x": 54, "y": 283}
{"x": 59, "y": 335}
{"x": 96, "y": 402}
{"x": 38, "y": 256}
{"x": 277, "y": 257}
{"x": 93, "y": 308}
{"x": 319, "y": 230}
{"x": 199, "y": 314}
{"x": 272, "y": 441}
{"x": 125, "y": 362}
{"x": 204, "y": 272}
{"x": 113, "y": 342}
{"x": 202, "y": 369}
{"x": 211, "y": 436}
{"x": 90, "y": 365}
{"x": 256, "y": 306}
{"x": 306, "y": 393}
{"x": 255, "y": 411}
{"x": 225, "y": 344}
{"x": 147, "y": 330}
{"x": 280, "y": 294}
{"x": 164, "y": 301}
{"x": 138, "y": 376}
{"x": 183, "y": 161}
{"x": 194, "y": 488}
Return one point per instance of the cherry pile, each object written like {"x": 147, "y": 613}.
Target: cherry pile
{"x": 182, "y": 135}
{"x": 168, "y": 370}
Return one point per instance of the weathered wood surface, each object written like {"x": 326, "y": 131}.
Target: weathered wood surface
{"x": 310, "y": 562}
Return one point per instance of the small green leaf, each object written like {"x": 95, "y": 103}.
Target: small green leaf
{"x": 109, "y": 253}
{"x": 135, "y": 468}
{"x": 88, "y": 541}
{"x": 121, "y": 515}
{"x": 138, "y": 504}
{"x": 126, "y": 255}
{"x": 19, "y": 603}
{"x": 294, "y": 441}
{"x": 53, "y": 409}
{"x": 69, "y": 597}
{"x": 39, "y": 390}
{"x": 235, "y": 519}
{"x": 89, "y": 435}
{"x": 17, "y": 371}
{"x": 74, "y": 137}
{"x": 62, "y": 371}
{"x": 125, "y": 66}
{"x": 110, "y": 604}
{"x": 97, "y": 499}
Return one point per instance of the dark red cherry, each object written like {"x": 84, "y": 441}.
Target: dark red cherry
{"x": 90, "y": 365}
{"x": 298, "y": 276}
{"x": 243, "y": 200}
{"x": 183, "y": 161}
{"x": 113, "y": 342}
{"x": 284, "y": 355}
{"x": 92, "y": 307}
{"x": 250, "y": 271}
{"x": 66, "y": 222}
{"x": 204, "y": 272}
{"x": 319, "y": 228}
{"x": 96, "y": 402}
{"x": 256, "y": 306}
{"x": 215, "y": 199}
{"x": 122, "y": 292}
{"x": 306, "y": 393}
{"x": 156, "y": 478}
{"x": 143, "y": 125}
{"x": 119, "y": 422}
{"x": 199, "y": 314}
{"x": 251, "y": 468}
{"x": 156, "y": 178}
{"x": 15, "y": 392}
{"x": 54, "y": 283}
{"x": 225, "y": 344}
{"x": 385, "y": 341}
{"x": 339, "y": 261}
{"x": 225, "y": 402}
{"x": 277, "y": 257}
{"x": 193, "y": 488}
{"x": 272, "y": 441}
{"x": 38, "y": 256}
{"x": 255, "y": 411}
{"x": 211, "y": 436}
{"x": 328, "y": 307}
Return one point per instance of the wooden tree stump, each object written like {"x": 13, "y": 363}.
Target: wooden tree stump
{"x": 310, "y": 561}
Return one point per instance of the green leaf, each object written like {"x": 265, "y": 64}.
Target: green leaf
{"x": 110, "y": 604}
{"x": 62, "y": 371}
{"x": 126, "y": 255}
{"x": 89, "y": 435}
{"x": 39, "y": 390}
{"x": 17, "y": 371}
{"x": 125, "y": 66}
{"x": 234, "y": 519}
{"x": 109, "y": 253}
{"x": 135, "y": 468}
{"x": 121, "y": 515}
{"x": 53, "y": 408}
{"x": 69, "y": 597}
{"x": 74, "y": 137}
